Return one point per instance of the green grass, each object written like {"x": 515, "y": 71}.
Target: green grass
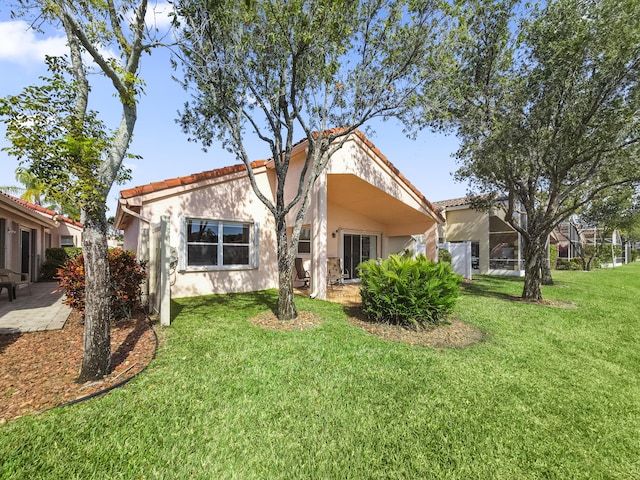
{"x": 552, "y": 393}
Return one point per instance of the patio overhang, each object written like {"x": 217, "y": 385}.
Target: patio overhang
{"x": 352, "y": 193}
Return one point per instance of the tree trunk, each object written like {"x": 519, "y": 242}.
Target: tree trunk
{"x": 533, "y": 251}
{"x": 545, "y": 270}
{"x": 96, "y": 359}
{"x": 286, "y": 304}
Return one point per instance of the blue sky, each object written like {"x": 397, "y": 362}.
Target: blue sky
{"x": 166, "y": 153}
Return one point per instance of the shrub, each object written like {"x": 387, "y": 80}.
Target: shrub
{"x": 573, "y": 264}
{"x": 634, "y": 255}
{"x": 408, "y": 291}
{"x": 126, "y": 277}
{"x": 444, "y": 256}
{"x": 55, "y": 258}
{"x": 553, "y": 256}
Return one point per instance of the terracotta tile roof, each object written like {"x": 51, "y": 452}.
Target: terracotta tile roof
{"x": 187, "y": 180}
{"x": 42, "y": 210}
{"x": 220, "y": 172}
{"x": 459, "y": 202}
{"x": 454, "y": 202}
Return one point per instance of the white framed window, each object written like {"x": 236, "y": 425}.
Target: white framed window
{"x": 304, "y": 243}
{"x": 219, "y": 244}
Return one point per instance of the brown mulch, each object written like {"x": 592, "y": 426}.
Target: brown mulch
{"x": 545, "y": 302}
{"x": 38, "y": 370}
{"x": 455, "y": 334}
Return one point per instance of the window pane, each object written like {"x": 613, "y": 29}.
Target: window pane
{"x": 202, "y": 255}
{"x": 202, "y": 231}
{"x": 235, "y": 255}
{"x": 304, "y": 246}
{"x": 235, "y": 233}
{"x": 66, "y": 240}
{"x": 305, "y": 233}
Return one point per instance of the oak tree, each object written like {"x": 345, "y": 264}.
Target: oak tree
{"x": 548, "y": 109}
{"x": 282, "y": 70}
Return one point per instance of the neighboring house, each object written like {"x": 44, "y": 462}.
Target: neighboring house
{"x": 593, "y": 237}
{"x": 27, "y": 230}
{"x": 496, "y": 248}
{"x": 223, "y": 236}
{"x": 569, "y": 239}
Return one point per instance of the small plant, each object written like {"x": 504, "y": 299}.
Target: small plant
{"x": 444, "y": 256}
{"x": 408, "y": 291}
{"x": 572, "y": 264}
{"x": 55, "y": 258}
{"x": 126, "y": 276}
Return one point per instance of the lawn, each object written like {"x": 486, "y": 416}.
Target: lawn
{"x": 552, "y": 392}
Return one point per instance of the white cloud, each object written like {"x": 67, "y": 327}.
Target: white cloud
{"x": 22, "y": 45}
{"x": 158, "y": 15}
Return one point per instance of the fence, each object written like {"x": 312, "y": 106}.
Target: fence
{"x": 154, "y": 249}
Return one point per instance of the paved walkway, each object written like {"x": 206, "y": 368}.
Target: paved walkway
{"x": 42, "y": 310}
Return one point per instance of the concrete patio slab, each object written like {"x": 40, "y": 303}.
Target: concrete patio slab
{"x": 41, "y": 310}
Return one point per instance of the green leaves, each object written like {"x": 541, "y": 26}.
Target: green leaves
{"x": 407, "y": 291}
{"x": 62, "y": 150}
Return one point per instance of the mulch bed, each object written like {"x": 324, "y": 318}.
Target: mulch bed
{"x": 38, "y": 370}
{"x": 455, "y": 334}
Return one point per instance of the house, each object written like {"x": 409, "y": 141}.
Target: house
{"x": 495, "y": 246}
{"x": 27, "y": 230}
{"x": 569, "y": 239}
{"x": 614, "y": 251}
{"x": 223, "y": 237}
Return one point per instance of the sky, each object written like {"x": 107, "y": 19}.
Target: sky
{"x": 166, "y": 152}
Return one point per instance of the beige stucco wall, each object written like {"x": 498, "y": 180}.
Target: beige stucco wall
{"x": 227, "y": 200}
{"x": 357, "y": 159}
{"x": 66, "y": 229}
{"x": 472, "y": 225}
{"x": 13, "y": 245}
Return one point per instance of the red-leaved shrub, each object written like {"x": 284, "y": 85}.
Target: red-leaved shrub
{"x": 126, "y": 277}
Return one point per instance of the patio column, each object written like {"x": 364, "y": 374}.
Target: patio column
{"x": 319, "y": 240}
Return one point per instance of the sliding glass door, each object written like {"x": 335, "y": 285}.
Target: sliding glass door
{"x": 357, "y": 249}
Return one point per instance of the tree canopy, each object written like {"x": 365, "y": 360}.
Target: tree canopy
{"x": 63, "y": 143}
{"x": 549, "y": 108}
{"x": 272, "y": 68}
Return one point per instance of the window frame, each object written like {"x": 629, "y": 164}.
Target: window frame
{"x": 252, "y": 244}
{"x": 304, "y": 241}
{"x": 73, "y": 241}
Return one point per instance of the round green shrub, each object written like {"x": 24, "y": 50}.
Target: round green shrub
{"x": 408, "y": 291}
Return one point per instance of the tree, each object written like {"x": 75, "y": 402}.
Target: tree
{"x": 270, "y": 68}
{"x": 33, "y": 191}
{"x": 618, "y": 210}
{"x": 549, "y": 106}
{"x": 90, "y": 159}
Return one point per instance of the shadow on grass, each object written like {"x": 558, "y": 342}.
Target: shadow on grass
{"x": 491, "y": 286}
{"x": 263, "y": 298}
